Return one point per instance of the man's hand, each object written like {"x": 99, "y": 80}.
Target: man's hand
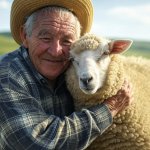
{"x": 121, "y": 100}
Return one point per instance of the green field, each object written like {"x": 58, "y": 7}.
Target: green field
{"x": 138, "y": 48}
{"x": 7, "y": 44}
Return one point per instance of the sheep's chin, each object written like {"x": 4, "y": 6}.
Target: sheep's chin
{"x": 89, "y": 91}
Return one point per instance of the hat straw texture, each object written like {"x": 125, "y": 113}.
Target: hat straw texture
{"x": 20, "y": 9}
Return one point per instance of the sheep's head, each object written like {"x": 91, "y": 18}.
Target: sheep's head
{"x": 91, "y": 57}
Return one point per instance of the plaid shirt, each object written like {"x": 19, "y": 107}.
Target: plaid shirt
{"x": 34, "y": 116}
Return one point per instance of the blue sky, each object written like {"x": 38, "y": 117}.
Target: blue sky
{"x": 115, "y": 18}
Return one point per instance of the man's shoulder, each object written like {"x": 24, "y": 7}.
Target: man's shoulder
{"x": 10, "y": 62}
{"x": 8, "y": 57}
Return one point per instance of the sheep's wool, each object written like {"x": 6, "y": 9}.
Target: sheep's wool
{"x": 131, "y": 128}
{"x": 92, "y": 43}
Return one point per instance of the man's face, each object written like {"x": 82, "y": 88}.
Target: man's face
{"x": 50, "y": 42}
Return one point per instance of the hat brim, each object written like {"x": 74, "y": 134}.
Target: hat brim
{"x": 83, "y": 9}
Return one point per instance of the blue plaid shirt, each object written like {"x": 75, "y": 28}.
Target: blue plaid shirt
{"x": 35, "y": 116}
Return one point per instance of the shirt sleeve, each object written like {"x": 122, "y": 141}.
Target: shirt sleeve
{"x": 25, "y": 125}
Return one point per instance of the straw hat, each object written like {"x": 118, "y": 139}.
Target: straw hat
{"x": 83, "y": 9}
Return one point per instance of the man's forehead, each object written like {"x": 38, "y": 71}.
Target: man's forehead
{"x": 52, "y": 33}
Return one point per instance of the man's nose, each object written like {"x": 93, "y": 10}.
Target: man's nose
{"x": 55, "y": 48}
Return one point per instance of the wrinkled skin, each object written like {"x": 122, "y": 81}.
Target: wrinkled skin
{"x": 50, "y": 42}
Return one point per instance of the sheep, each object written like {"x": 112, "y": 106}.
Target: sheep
{"x": 97, "y": 72}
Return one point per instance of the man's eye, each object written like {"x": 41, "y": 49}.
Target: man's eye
{"x": 45, "y": 39}
{"x": 67, "y": 42}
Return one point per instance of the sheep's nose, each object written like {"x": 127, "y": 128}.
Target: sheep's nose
{"x": 86, "y": 80}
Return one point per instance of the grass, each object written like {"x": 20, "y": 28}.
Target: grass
{"x": 139, "y": 48}
{"x": 137, "y": 53}
{"x": 7, "y": 44}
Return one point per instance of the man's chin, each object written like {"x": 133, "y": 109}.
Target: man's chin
{"x": 52, "y": 73}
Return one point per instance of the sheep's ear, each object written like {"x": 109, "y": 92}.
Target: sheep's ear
{"x": 119, "y": 46}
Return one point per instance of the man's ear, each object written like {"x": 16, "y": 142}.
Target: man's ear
{"x": 23, "y": 37}
{"x": 119, "y": 46}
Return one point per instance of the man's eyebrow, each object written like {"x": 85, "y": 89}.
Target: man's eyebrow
{"x": 44, "y": 32}
{"x": 69, "y": 36}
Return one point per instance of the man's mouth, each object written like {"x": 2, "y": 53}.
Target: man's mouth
{"x": 56, "y": 60}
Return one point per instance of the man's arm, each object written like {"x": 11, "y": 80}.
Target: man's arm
{"x": 25, "y": 125}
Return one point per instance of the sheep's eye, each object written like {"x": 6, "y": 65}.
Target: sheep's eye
{"x": 98, "y": 58}
{"x": 106, "y": 52}
{"x": 71, "y": 59}
{"x": 76, "y": 62}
